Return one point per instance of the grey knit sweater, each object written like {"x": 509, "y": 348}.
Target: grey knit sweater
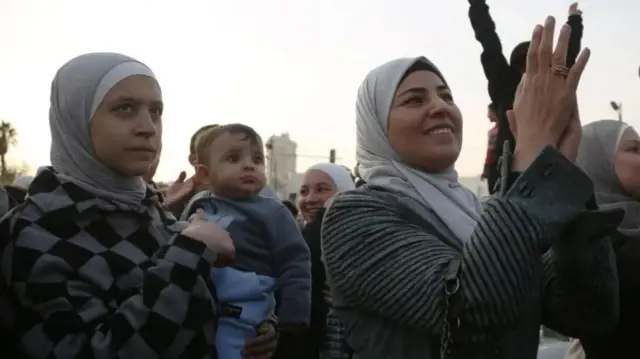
{"x": 538, "y": 256}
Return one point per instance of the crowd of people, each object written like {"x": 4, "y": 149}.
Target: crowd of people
{"x": 395, "y": 259}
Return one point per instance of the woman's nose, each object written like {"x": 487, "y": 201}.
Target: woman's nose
{"x": 313, "y": 198}
{"x": 439, "y": 108}
{"x": 146, "y": 126}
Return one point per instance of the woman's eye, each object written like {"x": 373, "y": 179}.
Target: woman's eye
{"x": 413, "y": 99}
{"x": 447, "y": 97}
{"x": 157, "y": 111}
{"x": 125, "y": 108}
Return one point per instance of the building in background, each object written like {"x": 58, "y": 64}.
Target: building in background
{"x": 282, "y": 156}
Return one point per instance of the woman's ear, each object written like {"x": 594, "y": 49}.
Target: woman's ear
{"x": 202, "y": 174}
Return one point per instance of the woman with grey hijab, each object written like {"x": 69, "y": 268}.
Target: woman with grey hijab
{"x": 418, "y": 269}
{"x": 610, "y": 155}
{"x": 92, "y": 264}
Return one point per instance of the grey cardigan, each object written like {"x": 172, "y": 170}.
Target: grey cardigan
{"x": 538, "y": 256}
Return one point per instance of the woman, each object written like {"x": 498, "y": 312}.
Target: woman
{"x": 610, "y": 155}
{"x": 417, "y": 269}
{"x": 93, "y": 265}
{"x": 325, "y": 336}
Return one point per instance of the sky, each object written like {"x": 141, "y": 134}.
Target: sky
{"x": 291, "y": 66}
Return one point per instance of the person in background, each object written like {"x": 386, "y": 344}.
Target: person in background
{"x": 325, "y": 336}
{"x": 491, "y": 172}
{"x": 270, "y": 251}
{"x": 22, "y": 182}
{"x": 291, "y": 207}
{"x": 503, "y": 77}
{"x": 183, "y": 188}
{"x": 419, "y": 267}
{"x": 17, "y": 191}
{"x": 610, "y": 155}
{"x": 7, "y": 202}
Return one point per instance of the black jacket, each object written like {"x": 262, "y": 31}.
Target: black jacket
{"x": 310, "y": 344}
{"x": 621, "y": 343}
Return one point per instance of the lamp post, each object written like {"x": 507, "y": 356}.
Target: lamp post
{"x": 617, "y": 107}
{"x": 272, "y": 165}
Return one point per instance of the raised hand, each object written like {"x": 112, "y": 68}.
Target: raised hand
{"x": 180, "y": 189}
{"x": 545, "y": 103}
{"x": 574, "y": 10}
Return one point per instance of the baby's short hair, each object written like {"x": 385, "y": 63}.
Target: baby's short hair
{"x": 194, "y": 137}
{"x": 206, "y": 139}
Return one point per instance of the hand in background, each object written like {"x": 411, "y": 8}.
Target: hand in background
{"x": 180, "y": 190}
{"x": 574, "y": 10}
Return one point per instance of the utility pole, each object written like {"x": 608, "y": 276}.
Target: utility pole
{"x": 617, "y": 107}
{"x": 332, "y": 156}
{"x": 272, "y": 165}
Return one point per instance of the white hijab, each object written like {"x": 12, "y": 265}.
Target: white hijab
{"x": 338, "y": 174}
{"x": 379, "y": 164}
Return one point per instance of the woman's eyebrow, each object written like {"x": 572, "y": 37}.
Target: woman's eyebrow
{"x": 423, "y": 90}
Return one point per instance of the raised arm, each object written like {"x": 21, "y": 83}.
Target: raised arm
{"x": 59, "y": 304}
{"x": 495, "y": 65}
{"x": 381, "y": 263}
{"x": 575, "y": 22}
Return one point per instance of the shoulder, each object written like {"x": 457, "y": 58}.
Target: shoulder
{"x": 366, "y": 197}
{"x": 28, "y": 236}
{"x": 365, "y": 207}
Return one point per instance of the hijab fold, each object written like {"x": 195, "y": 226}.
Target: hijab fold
{"x": 596, "y": 156}
{"x": 379, "y": 164}
{"x": 76, "y": 93}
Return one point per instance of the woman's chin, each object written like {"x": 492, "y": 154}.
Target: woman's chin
{"x": 309, "y": 215}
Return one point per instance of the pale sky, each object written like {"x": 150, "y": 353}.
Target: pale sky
{"x": 291, "y": 66}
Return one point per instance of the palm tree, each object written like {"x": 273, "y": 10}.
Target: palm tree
{"x": 8, "y": 137}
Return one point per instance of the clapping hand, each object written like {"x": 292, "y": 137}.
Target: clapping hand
{"x": 545, "y": 109}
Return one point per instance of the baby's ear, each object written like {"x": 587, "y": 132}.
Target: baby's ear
{"x": 202, "y": 174}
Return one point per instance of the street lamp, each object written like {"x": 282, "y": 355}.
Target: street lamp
{"x": 617, "y": 107}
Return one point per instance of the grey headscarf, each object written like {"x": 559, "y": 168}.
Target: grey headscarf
{"x": 596, "y": 155}
{"x": 77, "y": 90}
{"x": 379, "y": 164}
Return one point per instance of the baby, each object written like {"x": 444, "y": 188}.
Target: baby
{"x": 271, "y": 254}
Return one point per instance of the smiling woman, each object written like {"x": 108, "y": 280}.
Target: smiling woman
{"x": 321, "y": 182}
{"x": 419, "y": 268}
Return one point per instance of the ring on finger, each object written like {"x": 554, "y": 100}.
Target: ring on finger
{"x": 560, "y": 70}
